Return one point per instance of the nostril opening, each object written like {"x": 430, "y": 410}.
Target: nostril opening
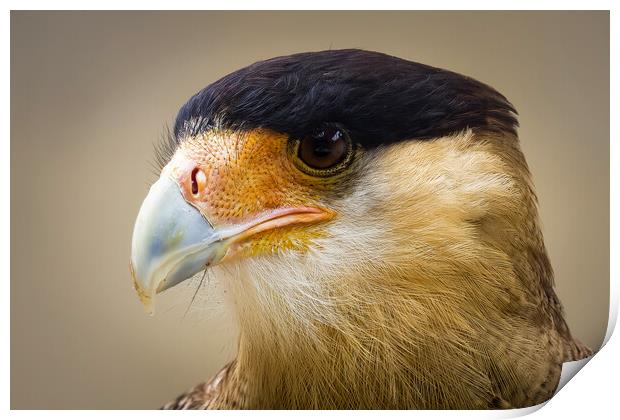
{"x": 194, "y": 181}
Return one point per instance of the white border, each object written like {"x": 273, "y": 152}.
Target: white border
{"x": 593, "y": 394}
{"x": 313, "y": 5}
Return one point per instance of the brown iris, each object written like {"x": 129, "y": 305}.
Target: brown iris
{"x": 325, "y": 151}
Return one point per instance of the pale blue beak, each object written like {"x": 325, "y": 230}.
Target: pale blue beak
{"x": 172, "y": 241}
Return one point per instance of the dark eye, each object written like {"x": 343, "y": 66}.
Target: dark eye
{"x": 327, "y": 148}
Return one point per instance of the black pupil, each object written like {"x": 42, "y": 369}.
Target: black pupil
{"x": 321, "y": 149}
{"x": 324, "y": 149}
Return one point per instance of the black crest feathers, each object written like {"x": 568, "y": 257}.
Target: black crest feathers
{"x": 378, "y": 98}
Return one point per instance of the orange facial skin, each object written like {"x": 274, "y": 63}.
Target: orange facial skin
{"x": 236, "y": 178}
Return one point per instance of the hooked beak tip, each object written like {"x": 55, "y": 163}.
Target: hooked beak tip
{"x": 145, "y": 297}
{"x": 171, "y": 241}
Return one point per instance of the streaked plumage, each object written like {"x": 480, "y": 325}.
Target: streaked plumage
{"x": 417, "y": 275}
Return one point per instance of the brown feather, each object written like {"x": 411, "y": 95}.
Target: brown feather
{"x": 445, "y": 299}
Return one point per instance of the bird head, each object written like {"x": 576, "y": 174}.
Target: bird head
{"x": 348, "y": 195}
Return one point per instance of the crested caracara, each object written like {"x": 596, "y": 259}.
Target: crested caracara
{"x": 376, "y": 225}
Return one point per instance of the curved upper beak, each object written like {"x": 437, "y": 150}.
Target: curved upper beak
{"x": 171, "y": 241}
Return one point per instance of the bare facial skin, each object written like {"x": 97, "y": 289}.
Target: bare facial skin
{"x": 390, "y": 259}
{"x": 386, "y": 283}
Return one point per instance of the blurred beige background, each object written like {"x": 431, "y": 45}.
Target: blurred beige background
{"x": 91, "y": 92}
